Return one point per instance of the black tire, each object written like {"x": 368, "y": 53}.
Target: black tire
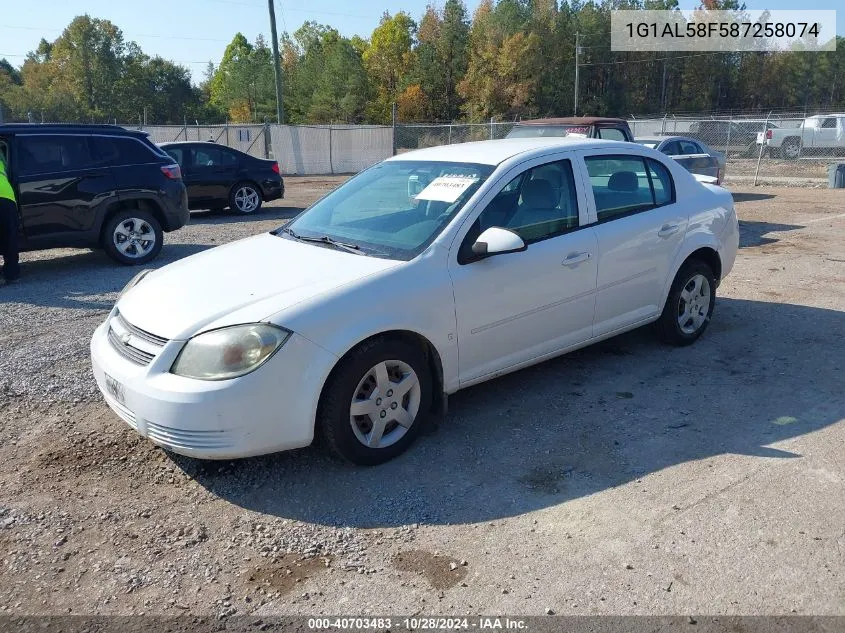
{"x": 146, "y": 225}
{"x": 239, "y": 208}
{"x": 787, "y": 146}
{"x": 334, "y": 423}
{"x": 667, "y": 326}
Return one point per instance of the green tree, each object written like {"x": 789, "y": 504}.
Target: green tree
{"x": 388, "y": 60}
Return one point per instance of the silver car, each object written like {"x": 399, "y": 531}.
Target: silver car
{"x": 695, "y": 156}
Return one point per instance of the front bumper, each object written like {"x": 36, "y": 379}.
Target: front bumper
{"x": 269, "y": 410}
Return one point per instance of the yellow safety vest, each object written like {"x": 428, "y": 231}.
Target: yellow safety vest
{"x": 6, "y": 190}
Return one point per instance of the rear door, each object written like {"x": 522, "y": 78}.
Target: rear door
{"x": 61, "y": 188}
{"x": 213, "y": 172}
{"x": 825, "y": 133}
{"x": 639, "y": 228}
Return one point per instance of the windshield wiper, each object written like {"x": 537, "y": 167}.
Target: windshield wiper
{"x": 325, "y": 239}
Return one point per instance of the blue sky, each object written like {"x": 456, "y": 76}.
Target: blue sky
{"x": 192, "y": 32}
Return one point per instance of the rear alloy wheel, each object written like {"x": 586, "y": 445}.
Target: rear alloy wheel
{"x": 133, "y": 237}
{"x": 245, "y": 198}
{"x": 791, "y": 149}
{"x": 375, "y": 402}
{"x": 689, "y": 305}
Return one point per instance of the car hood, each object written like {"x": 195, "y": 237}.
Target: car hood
{"x": 242, "y": 282}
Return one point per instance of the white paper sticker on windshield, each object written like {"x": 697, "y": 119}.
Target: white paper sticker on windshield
{"x": 446, "y": 188}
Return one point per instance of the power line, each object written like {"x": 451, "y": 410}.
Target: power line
{"x": 653, "y": 59}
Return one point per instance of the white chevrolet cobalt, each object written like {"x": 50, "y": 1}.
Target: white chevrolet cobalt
{"x": 429, "y": 272}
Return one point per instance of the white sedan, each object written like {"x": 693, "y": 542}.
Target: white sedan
{"x": 427, "y": 273}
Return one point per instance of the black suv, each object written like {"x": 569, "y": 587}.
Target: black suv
{"x": 93, "y": 186}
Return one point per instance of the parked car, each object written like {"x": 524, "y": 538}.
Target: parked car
{"x": 355, "y": 319}
{"x": 739, "y": 137}
{"x": 93, "y": 186}
{"x": 589, "y": 126}
{"x": 218, "y": 176}
{"x": 695, "y": 156}
{"x": 816, "y": 135}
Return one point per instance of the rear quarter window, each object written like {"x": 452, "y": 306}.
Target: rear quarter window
{"x": 120, "y": 150}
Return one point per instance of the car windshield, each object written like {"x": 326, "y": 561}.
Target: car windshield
{"x": 531, "y": 131}
{"x": 394, "y": 209}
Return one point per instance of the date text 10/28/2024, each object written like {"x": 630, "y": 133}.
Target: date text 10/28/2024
{"x": 418, "y": 624}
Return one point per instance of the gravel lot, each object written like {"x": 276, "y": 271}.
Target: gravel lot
{"x": 627, "y": 478}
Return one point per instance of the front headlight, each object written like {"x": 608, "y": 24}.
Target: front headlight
{"x": 134, "y": 281}
{"x": 229, "y": 352}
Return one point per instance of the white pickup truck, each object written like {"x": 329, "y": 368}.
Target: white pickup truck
{"x": 824, "y": 133}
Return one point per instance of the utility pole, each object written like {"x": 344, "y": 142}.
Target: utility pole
{"x": 577, "y": 53}
{"x": 277, "y": 66}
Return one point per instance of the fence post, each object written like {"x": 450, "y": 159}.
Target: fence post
{"x": 728, "y": 142}
{"x": 267, "y": 141}
{"x": 663, "y": 125}
{"x": 394, "y": 129}
{"x": 491, "y": 128}
{"x": 449, "y": 141}
{"x": 227, "y": 133}
{"x": 762, "y": 145}
{"x": 331, "y": 163}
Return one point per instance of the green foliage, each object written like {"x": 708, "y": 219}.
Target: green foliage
{"x": 514, "y": 58}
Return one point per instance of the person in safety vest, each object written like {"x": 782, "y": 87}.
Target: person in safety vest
{"x": 8, "y": 227}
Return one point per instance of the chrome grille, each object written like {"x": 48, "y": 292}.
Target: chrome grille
{"x": 133, "y": 343}
{"x": 141, "y": 334}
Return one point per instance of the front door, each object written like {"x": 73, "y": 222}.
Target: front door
{"x": 639, "y": 229}
{"x": 521, "y": 306}
{"x": 60, "y": 187}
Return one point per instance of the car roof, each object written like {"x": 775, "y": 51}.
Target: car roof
{"x": 660, "y": 139}
{"x": 498, "y": 151}
{"x": 825, "y": 116}
{"x": 66, "y": 128}
{"x": 573, "y": 120}
{"x": 169, "y": 143}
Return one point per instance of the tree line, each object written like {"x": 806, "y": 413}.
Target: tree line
{"x": 510, "y": 59}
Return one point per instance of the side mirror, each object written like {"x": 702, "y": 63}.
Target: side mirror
{"x": 497, "y": 241}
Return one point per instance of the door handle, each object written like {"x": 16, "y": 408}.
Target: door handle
{"x": 575, "y": 258}
{"x": 668, "y": 229}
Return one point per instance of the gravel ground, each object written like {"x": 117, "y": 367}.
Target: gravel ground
{"x": 627, "y": 478}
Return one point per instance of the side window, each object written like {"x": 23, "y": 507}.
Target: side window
{"x": 208, "y": 157}
{"x": 612, "y": 134}
{"x": 538, "y": 204}
{"x": 117, "y": 150}
{"x": 228, "y": 158}
{"x": 689, "y": 148}
{"x": 671, "y": 149}
{"x": 661, "y": 182}
{"x": 177, "y": 154}
{"x": 829, "y": 123}
{"x": 47, "y": 153}
{"x": 622, "y": 185}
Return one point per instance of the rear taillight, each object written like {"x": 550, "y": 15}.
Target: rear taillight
{"x": 276, "y": 168}
{"x": 174, "y": 172}
{"x": 768, "y": 134}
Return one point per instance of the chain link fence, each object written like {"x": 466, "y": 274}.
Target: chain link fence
{"x": 784, "y": 148}
{"x": 792, "y": 149}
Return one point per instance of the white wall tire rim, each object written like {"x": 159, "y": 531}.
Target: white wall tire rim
{"x": 385, "y": 404}
{"x": 694, "y": 304}
{"x": 134, "y": 238}
{"x": 246, "y": 199}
